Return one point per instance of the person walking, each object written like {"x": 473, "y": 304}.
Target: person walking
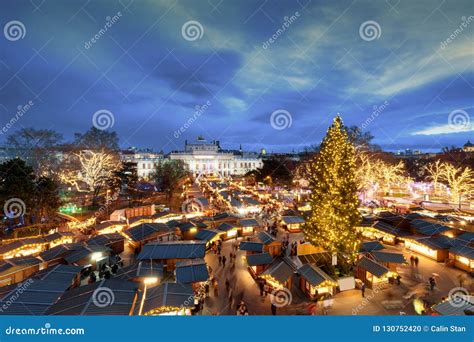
{"x": 216, "y": 288}
{"x": 274, "y": 309}
{"x": 223, "y": 260}
{"x": 416, "y": 261}
{"x": 412, "y": 261}
{"x": 227, "y": 285}
{"x": 261, "y": 287}
{"x": 220, "y": 260}
{"x": 362, "y": 290}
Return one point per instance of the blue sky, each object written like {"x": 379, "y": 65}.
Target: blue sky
{"x": 144, "y": 71}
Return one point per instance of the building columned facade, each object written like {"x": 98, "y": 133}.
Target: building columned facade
{"x": 145, "y": 160}
{"x": 202, "y": 157}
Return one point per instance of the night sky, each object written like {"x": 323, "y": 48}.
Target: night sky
{"x": 152, "y": 74}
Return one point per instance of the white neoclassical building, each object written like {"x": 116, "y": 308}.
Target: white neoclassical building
{"x": 202, "y": 157}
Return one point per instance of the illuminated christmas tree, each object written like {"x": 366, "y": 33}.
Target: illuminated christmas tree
{"x": 334, "y": 202}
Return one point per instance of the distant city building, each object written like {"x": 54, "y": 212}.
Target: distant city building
{"x": 145, "y": 160}
{"x": 468, "y": 147}
{"x": 202, "y": 157}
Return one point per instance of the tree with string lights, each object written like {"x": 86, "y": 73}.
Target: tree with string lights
{"x": 334, "y": 201}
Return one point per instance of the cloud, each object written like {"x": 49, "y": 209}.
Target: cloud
{"x": 446, "y": 129}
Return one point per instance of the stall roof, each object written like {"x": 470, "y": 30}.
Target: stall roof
{"x": 249, "y": 223}
{"x": 396, "y": 258}
{"x": 387, "y": 228}
{"x": 436, "y": 243}
{"x": 222, "y": 216}
{"x": 259, "y": 259}
{"x": 465, "y": 251}
{"x": 57, "y": 235}
{"x": 251, "y": 246}
{"x": 314, "y": 275}
{"x": 224, "y": 227}
{"x": 105, "y": 239}
{"x": 458, "y": 307}
{"x": 120, "y": 295}
{"x": 235, "y": 202}
{"x": 141, "y": 269}
{"x": 25, "y": 261}
{"x": 428, "y": 228}
{"x": 144, "y": 230}
{"x": 38, "y": 292}
{"x": 173, "y": 223}
{"x": 467, "y": 237}
{"x": 292, "y": 219}
{"x": 169, "y": 295}
{"x": 279, "y": 270}
{"x": 370, "y": 246}
{"x": 20, "y": 243}
{"x": 189, "y": 249}
{"x": 372, "y": 267}
{"x": 191, "y": 271}
{"x": 107, "y": 224}
{"x": 316, "y": 258}
{"x": 186, "y": 226}
{"x": 59, "y": 251}
{"x": 83, "y": 251}
{"x": 265, "y": 238}
{"x": 206, "y": 234}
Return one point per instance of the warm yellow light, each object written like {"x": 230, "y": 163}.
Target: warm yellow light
{"x": 150, "y": 280}
{"x": 96, "y": 256}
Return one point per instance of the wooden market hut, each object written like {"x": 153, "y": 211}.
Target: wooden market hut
{"x": 248, "y": 226}
{"x": 15, "y": 270}
{"x": 231, "y": 230}
{"x": 208, "y": 236}
{"x": 251, "y": 247}
{"x": 167, "y": 299}
{"x": 271, "y": 244}
{"x": 114, "y": 241}
{"x": 314, "y": 282}
{"x": 257, "y": 263}
{"x": 193, "y": 272}
{"x": 108, "y": 227}
{"x": 292, "y": 224}
{"x": 436, "y": 248}
{"x": 55, "y": 255}
{"x": 371, "y": 272}
{"x": 142, "y": 234}
{"x": 169, "y": 253}
{"x": 144, "y": 272}
{"x": 461, "y": 306}
{"x": 59, "y": 238}
{"x": 187, "y": 230}
{"x": 462, "y": 257}
{"x": 279, "y": 273}
{"x": 39, "y": 292}
{"x": 22, "y": 247}
{"x": 116, "y": 297}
